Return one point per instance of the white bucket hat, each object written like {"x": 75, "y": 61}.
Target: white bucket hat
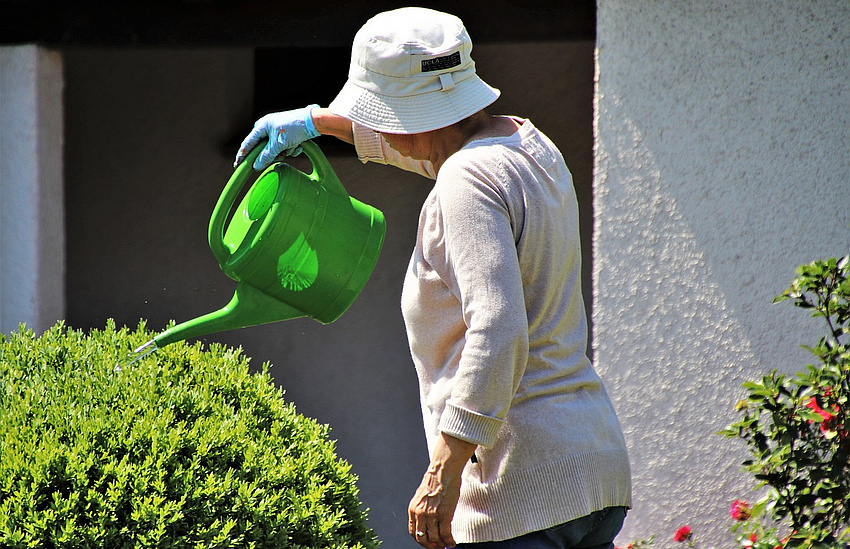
{"x": 411, "y": 72}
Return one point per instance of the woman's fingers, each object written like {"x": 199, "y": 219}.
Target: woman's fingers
{"x": 431, "y": 519}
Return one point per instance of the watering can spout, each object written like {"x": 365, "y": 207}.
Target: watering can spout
{"x": 248, "y": 307}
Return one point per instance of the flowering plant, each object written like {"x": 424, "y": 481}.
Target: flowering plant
{"x": 797, "y": 429}
{"x": 798, "y": 432}
{"x": 752, "y": 528}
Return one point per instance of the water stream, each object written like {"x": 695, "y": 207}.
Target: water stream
{"x": 137, "y": 355}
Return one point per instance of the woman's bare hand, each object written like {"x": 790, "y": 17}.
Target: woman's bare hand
{"x": 433, "y": 505}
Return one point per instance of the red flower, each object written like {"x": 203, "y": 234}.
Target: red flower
{"x": 683, "y": 534}
{"x": 740, "y": 510}
{"x": 813, "y": 405}
{"x": 829, "y": 422}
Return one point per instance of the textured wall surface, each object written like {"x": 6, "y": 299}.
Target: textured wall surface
{"x": 32, "y": 263}
{"x": 722, "y": 162}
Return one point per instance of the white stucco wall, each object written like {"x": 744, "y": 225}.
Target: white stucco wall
{"x": 722, "y": 162}
{"x": 32, "y": 285}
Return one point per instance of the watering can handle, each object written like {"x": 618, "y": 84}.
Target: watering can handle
{"x": 225, "y": 203}
{"x": 322, "y": 171}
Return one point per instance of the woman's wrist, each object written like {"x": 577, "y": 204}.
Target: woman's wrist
{"x": 450, "y": 456}
{"x": 327, "y": 123}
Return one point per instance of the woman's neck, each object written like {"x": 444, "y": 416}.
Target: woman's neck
{"x": 447, "y": 141}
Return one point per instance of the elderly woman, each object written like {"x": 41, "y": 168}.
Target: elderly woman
{"x": 526, "y": 449}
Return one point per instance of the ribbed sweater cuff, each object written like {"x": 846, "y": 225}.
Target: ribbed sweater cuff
{"x": 368, "y": 144}
{"x": 470, "y": 426}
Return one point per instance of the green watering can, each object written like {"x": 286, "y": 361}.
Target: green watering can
{"x": 297, "y": 246}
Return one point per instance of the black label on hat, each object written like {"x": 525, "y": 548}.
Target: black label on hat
{"x": 440, "y": 63}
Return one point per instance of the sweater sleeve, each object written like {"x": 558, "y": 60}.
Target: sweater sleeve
{"x": 481, "y": 268}
{"x": 372, "y": 147}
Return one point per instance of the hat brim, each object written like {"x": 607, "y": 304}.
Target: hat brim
{"x": 413, "y": 114}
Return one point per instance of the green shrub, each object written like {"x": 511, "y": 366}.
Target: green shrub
{"x": 186, "y": 448}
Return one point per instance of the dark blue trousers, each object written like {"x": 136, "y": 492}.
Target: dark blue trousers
{"x": 594, "y": 531}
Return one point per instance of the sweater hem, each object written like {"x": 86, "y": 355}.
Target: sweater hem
{"x": 535, "y": 499}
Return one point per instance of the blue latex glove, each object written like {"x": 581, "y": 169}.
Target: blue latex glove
{"x": 285, "y": 131}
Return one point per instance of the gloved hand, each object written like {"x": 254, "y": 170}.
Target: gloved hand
{"x": 285, "y": 131}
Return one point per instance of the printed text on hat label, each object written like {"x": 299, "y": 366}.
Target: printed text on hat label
{"x": 440, "y": 63}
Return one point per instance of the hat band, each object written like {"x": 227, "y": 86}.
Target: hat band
{"x": 394, "y": 86}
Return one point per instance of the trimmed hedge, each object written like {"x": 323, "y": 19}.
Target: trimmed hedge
{"x": 185, "y": 448}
